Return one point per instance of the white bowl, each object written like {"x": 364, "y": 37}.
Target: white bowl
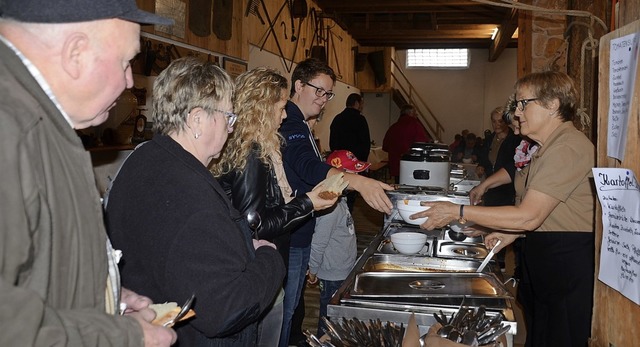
{"x": 408, "y": 242}
{"x": 408, "y": 207}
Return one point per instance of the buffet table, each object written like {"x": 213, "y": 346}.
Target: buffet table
{"x": 389, "y": 286}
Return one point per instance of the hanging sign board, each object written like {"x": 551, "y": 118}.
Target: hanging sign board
{"x": 623, "y": 63}
{"x": 619, "y": 194}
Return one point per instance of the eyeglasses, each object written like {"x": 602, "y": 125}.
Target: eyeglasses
{"x": 320, "y": 92}
{"x": 521, "y": 104}
{"x": 231, "y": 117}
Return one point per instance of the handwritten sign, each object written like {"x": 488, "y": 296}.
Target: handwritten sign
{"x": 622, "y": 71}
{"x": 619, "y": 194}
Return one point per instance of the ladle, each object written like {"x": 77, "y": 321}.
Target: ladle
{"x": 254, "y": 221}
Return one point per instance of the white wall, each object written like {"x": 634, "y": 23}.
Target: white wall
{"x": 461, "y": 99}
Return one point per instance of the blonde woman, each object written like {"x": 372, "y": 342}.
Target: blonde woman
{"x": 251, "y": 173}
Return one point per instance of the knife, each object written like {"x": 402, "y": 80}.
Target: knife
{"x": 489, "y": 256}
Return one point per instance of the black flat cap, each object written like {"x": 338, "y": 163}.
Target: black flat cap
{"x": 70, "y": 11}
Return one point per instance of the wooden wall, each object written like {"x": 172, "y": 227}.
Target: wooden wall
{"x": 616, "y": 319}
{"x": 247, "y": 29}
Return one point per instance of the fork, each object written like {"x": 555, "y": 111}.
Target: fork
{"x": 185, "y": 308}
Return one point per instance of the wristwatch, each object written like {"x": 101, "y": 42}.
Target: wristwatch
{"x": 461, "y": 219}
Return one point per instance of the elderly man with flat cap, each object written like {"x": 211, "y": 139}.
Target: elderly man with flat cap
{"x": 62, "y": 66}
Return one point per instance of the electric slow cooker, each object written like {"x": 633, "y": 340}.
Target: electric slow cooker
{"x": 426, "y": 164}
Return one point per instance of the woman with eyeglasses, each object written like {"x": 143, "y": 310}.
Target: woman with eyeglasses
{"x": 556, "y": 213}
{"x": 250, "y": 171}
{"x": 177, "y": 229}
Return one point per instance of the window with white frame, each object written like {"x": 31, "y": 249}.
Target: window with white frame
{"x": 445, "y": 58}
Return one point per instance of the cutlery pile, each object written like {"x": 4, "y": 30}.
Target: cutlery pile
{"x": 471, "y": 327}
{"x": 353, "y": 333}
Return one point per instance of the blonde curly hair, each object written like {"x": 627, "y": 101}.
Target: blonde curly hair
{"x": 257, "y": 92}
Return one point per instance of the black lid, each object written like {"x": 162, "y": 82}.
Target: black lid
{"x": 423, "y": 151}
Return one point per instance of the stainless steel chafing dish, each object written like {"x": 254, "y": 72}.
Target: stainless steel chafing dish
{"x": 393, "y": 262}
{"x": 390, "y": 286}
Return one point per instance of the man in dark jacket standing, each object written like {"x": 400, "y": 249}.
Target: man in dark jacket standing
{"x": 312, "y": 85}
{"x": 350, "y": 130}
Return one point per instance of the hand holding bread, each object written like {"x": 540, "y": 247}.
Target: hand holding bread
{"x": 168, "y": 311}
{"x": 332, "y": 186}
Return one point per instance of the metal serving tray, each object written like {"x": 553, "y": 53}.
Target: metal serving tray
{"x": 417, "y": 285}
{"x": 393, "y": 262}
{"x": 460, "y": 250}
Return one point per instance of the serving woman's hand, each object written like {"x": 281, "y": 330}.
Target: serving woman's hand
{"x": 506, "y": 239}
{"x": 476, "y": 193}
{"x": 439, "y": 214}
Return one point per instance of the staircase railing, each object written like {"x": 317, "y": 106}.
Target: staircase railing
{"x": 426, "y": 116}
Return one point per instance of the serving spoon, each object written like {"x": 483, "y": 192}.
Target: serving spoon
{"x": 255, "y": 222}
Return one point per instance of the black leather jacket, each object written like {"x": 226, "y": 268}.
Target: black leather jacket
{"x": 257, "y": 189}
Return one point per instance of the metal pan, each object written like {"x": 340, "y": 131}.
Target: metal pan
{"x": 415, "y": 285}
{"x": 393, "y": 262}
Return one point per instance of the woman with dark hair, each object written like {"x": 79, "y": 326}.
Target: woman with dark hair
{"x": 556, "y": 213}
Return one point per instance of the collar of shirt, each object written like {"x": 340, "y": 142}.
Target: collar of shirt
{"x": 38, "y": 77}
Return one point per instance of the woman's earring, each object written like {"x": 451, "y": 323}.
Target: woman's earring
{"x": 196, "y": 135}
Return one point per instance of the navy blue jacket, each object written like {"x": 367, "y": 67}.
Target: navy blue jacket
{"x": 302, "y": 164}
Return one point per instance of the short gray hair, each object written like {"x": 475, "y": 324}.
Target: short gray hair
{"x": 185, "y": 84}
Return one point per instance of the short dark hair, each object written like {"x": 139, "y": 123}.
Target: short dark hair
{"x": 406, "y": 109}
{"x": 307, "y": 70}
{"x": 352, "y": 99}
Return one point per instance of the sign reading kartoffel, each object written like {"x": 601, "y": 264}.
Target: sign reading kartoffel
{"x": 619, "y": 194}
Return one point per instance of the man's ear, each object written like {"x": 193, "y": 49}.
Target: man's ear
{"x": 299, "y": 84}
{"x": 75, "y": 51}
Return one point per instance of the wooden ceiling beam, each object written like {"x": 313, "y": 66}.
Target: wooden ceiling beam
{"x": 402, "y": 6}
{"x": 504, "y": 36}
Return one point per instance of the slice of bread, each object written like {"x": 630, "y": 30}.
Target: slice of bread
{"x": 167, "y": 311}
{"x": 332, "y": 186}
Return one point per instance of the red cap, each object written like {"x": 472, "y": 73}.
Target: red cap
{"x": 345, "y": 160}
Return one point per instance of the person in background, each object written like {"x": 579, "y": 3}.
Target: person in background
{"x": 468, "y": 151}
{"x": 312, "y": 83}
{"x": 556, "y": 212}
{"x": 333, "y": 247}
{"x": 62, "y": 66}
{"x": 251, "y": 158}
{"x": 456, "y": 142}
{"x": 179, "y": 233}
{"x": 522, "y": 158}
{"x": 350, "y": 131}
{"x": 400, "y": 136}
{"x": 497, "y": 153}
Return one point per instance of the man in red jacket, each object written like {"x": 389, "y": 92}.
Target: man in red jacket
{"x": 401, "y": 135}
